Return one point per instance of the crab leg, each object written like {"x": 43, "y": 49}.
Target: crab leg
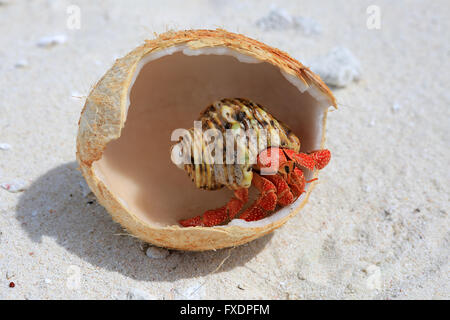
{"x": 267, "y": 201}
{"x": 321, "y": 157}
{"x": 282, "y": 188}
{"x": 218, "y": 216}
{"x": 296, "y": 181}
{"x": 284, "y": 194}
{"x": 273, "y": 158}
{"x": 316, "y": 159}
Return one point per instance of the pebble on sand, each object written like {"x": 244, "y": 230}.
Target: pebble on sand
{"x": 85, "y": 190}
{"x": 50, "y": 41}
{"x": 5, "y": 146}
{"x": 338, "y": 68}
{"x": 396, "y": 107}
{"x": 138, "y": 294}
{"x": 157, "y": 253}
{"x": 373, "y": 281}
{"x": 22, "y": 63}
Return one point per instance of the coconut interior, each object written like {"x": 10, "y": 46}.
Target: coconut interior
{"x": 170, "y": 88}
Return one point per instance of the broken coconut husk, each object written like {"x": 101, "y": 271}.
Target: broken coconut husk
{"x": 125, "y": 128}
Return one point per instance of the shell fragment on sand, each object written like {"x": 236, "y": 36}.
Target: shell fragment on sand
{"x": 338, "y": 68}
{"x": 157, "y": 253}
{"x": 309, "y": 26}
{"x": 14, "y": 186}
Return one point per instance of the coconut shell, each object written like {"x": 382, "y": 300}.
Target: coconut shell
{"x": 105, "y": 112}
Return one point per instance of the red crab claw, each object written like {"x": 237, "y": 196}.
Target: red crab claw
{"x": 267, "y": 201}
{"x": 273, "y": 158}
{"x": 321, "y": 157}
{"x": 218, "y": 216}
{"x": 301, "y": 159}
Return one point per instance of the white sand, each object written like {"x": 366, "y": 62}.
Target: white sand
{"x": 376, "y": 227}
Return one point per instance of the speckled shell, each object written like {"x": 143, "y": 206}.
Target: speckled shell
{"x": 104, "y": 115}
{"x": 241, "y": 118}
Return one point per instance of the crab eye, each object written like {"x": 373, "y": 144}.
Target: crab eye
{"x": 240, "y": 116}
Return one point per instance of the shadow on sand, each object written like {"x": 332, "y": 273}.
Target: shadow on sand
{"x": 54, "y": 206}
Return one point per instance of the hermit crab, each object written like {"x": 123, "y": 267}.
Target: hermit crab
{"x": 126, "y": 134}
{"x": 267, "y": 141}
